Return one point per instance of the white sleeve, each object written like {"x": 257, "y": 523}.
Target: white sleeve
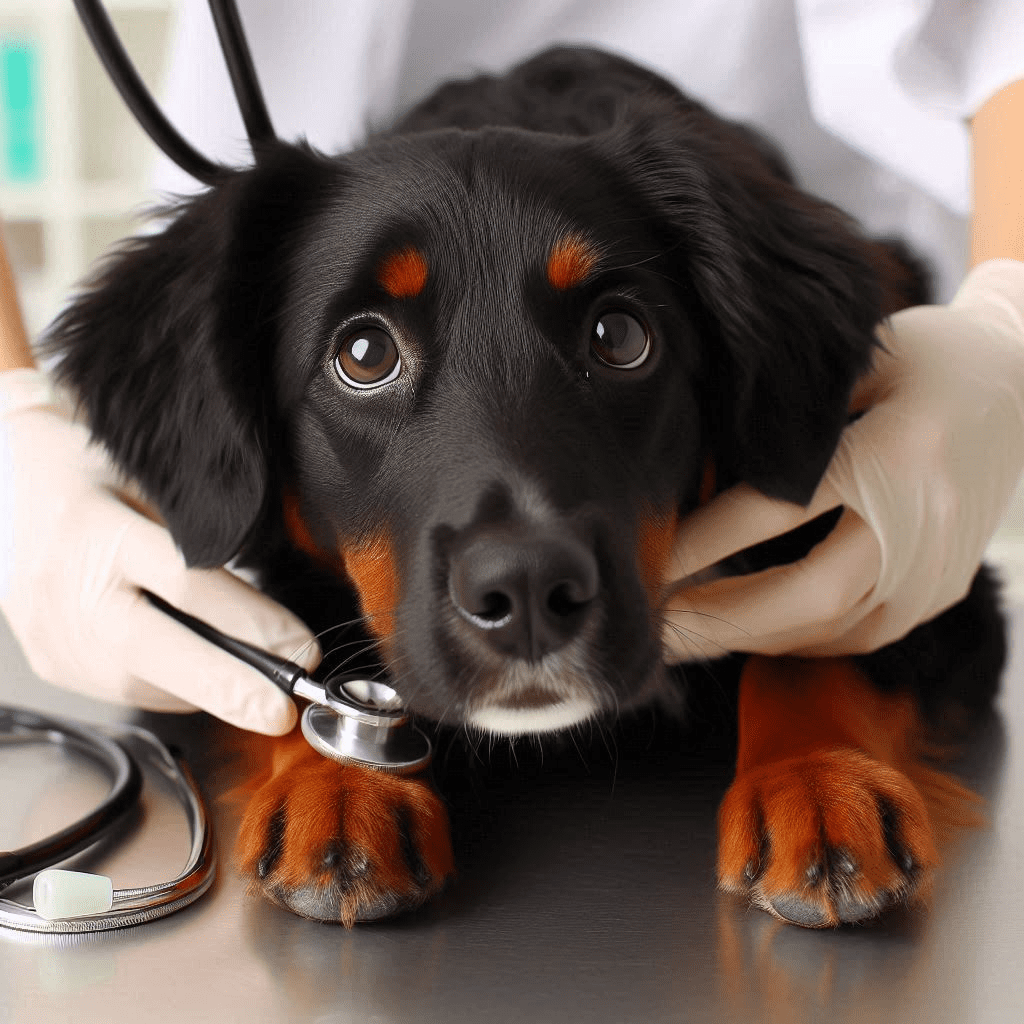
{"x": 326, "y": 68}
{"x": 896, "y": 79}
{"x": 963, "y": 53}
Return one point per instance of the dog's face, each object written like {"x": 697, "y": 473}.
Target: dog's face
{"x": 480, "y": 375}
{"x": 492, "y": 407}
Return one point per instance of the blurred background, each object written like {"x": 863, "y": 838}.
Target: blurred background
{"x": 74, "y": 166}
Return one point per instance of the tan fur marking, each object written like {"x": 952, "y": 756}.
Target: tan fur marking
{"x": 403, "y": 274}
{"x": 347, "y": 807}
{"x": 371, "y": 568}
{"x": 654, "y": 545}
{"x": 823, "y": 758}
{"x": 301, "y": 536}
{"x": 571, "y": 261}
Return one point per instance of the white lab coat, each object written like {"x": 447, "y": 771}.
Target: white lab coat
{"x": 869, "y": 98}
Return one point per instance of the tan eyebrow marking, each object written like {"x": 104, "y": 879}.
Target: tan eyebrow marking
{"x": 571, "y": 261}
{"x": 403, "y": 274}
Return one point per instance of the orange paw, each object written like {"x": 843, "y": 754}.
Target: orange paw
{"x": 344, "y": 843}
{"x": 825, "y": 839}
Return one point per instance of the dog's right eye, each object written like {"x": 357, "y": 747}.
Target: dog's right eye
{"x": 368, "y": 358}
{"x": 620, "y": 341}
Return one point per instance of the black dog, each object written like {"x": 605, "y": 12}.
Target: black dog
{"x": 470, "y": 376}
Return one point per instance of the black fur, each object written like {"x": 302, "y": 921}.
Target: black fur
{"x": 203, "y": 358}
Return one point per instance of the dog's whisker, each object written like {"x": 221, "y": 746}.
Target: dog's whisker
{"x": 703, "y": 648}
{"x": 347, "y": 624}
{"x": 362, "y": 647}
{"x": 321, "y": 634}
{"x": 704, "y": 615}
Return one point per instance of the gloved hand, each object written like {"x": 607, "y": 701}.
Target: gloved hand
{"x": 925, "y": 476}
{"x": 74, "y": 553}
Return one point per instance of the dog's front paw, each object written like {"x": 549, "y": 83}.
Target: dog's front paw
{"x": 344, "y": 843}
{"x": 825, "y": 839}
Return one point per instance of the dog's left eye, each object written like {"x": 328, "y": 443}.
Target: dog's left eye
{"x": 620, "y": 340}
{"x": 368, "y": 358}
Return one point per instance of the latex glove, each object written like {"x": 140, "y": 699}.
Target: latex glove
{"x": 74, "y": 553}
{"x": 925, "y": 475}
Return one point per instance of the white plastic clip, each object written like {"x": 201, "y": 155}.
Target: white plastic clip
{"x": 59, "y": 895}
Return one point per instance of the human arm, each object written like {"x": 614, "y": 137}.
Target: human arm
{"x": 997, "y": 145}
{"x": 15, "y": 352}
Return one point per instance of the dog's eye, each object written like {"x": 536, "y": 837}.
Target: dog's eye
{"x": 620, "y": 340}
{"x": 368, "y": 358}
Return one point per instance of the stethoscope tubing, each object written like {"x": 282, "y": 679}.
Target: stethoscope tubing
{"x": 132, "y": 906}
{"x": 140, "y": 102}
{"x": 292, "y": 679}
{"x": 349, "y": 720}
{"x": 20, "y": 726}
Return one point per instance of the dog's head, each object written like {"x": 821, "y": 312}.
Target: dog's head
{"x": 481, "y": 373}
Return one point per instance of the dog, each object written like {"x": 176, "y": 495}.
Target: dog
{"x": 457, "y": 388}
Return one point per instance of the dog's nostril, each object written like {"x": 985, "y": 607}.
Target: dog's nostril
{"x": 495, "y": 608}
{"x": 566, "y": 598}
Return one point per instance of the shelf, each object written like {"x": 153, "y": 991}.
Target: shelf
{"x": 94, "y": 162}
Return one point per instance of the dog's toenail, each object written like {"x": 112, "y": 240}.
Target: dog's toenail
{"x": 844, "y": 863}
{"x": 345, "y": 861}
{"x": 796, "y": 911}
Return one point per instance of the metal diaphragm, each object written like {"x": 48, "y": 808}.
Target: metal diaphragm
{"x": 363, "y": 722}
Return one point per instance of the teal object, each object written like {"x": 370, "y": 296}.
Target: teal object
{"x": 20, "y": 98}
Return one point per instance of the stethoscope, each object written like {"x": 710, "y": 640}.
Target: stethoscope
{"x": 348, "y": 719}
{"x": 69, "y": 902}
{"x": 351, "y": 720}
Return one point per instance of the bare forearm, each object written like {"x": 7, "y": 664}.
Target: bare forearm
{"x": 997, "y": 132}
{"x": 14, "y": 347}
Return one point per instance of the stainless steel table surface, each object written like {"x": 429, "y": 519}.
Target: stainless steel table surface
{"x": 590, "y": 899}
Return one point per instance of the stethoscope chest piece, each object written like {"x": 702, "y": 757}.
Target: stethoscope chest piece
{"x": 363, "y": 722}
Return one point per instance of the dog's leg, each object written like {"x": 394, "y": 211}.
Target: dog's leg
{"x": 340, "y": 842}
{"x": 823, "y": 824}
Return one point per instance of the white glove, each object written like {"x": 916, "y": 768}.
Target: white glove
{"x": 925, "y": 476}
{"x": 74, "y": 553}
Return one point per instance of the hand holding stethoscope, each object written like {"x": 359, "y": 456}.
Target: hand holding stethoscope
{"x": 353, "y": 720}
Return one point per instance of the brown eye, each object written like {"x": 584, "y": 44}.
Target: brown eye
{"x": 368, "y": 358}
{"x": 620, "y": 341}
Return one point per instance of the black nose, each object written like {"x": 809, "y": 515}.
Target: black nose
{"x": 527, "y": 592}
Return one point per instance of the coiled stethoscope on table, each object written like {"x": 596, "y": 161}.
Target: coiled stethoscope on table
{"x": 350, "y": 720}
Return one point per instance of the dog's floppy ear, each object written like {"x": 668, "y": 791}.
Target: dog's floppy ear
{"x": 168, "y": 348}
{"x": 782, "y": 288}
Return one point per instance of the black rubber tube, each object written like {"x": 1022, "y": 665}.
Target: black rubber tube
{"x": 280, "y": 671}
{"x": 242, "y": 71}
{"x": 26, "y": 726}
{"x": 133, "y": 91}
